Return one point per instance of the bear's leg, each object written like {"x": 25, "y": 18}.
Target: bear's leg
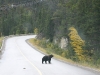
{"x": 42, "y": 61}
{"x": 46, "y": 62}
{"x": 49, "y": 62}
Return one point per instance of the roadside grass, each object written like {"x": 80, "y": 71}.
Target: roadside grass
{"x": 61, "y": 58}
{"x": 1, "y": 39}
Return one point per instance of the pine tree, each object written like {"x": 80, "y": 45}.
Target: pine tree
{"x": 76, "y": 42}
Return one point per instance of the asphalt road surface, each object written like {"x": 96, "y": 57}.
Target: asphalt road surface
{"x": 21, "y": 59}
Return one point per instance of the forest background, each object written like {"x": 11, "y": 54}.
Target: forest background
{"x": 77, "y": 20}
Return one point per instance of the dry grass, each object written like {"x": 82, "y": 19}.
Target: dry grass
{"x": 1, "y": 39}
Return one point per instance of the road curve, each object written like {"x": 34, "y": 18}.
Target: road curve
{"x": 21, "y": 59}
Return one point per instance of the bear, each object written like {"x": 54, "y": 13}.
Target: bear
{"x": 47, "y": 58}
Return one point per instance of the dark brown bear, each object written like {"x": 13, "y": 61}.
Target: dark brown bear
{"x": 47, "y": 58}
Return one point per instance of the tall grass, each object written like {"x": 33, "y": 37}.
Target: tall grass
{"x": 1, "y": 39}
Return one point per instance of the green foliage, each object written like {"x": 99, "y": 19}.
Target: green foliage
{"x": 98, "y": 61}
{"x": 16, "y": 21}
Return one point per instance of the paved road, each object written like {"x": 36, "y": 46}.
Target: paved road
{"x": 21, "y": 59}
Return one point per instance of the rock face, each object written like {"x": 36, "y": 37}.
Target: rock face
{"x": 63, "y": 43}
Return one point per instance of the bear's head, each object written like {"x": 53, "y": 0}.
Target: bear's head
{"x": 51, "y": 56}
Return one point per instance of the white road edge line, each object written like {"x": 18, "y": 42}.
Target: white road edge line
{"x": 40, "y": 73}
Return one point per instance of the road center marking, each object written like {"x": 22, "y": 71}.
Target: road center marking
{"x": 27, "y": 59}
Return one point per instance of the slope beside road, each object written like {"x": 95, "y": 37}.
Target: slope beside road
{"x": 21, "y": 59}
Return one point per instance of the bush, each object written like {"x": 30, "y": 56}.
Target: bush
{"x": 43, "y": 44}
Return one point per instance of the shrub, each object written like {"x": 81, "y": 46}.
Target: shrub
{"x": 76, "y": 42}
{"x": 63, "y": 54}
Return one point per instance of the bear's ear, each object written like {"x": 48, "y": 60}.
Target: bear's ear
{"x": 51, "y": 55}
